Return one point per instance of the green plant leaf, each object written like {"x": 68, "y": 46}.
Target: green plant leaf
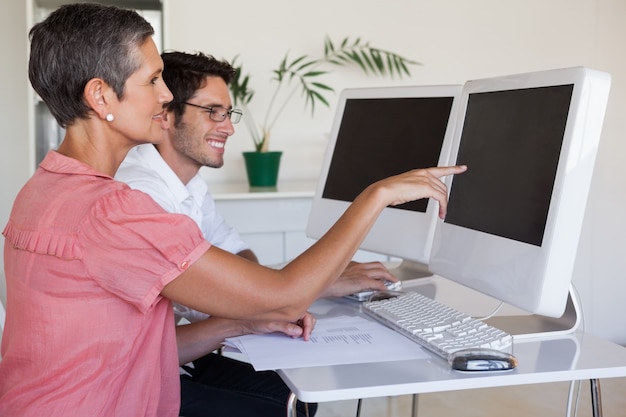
{"x": 314, "y": 74}
{"x": 323, "y": 86}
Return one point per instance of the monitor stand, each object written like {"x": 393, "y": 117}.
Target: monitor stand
{"x": 519, "y": 326}
{"x": 527, "y": 326}
{"x": 406, "y": 270}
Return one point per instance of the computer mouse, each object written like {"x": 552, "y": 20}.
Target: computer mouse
{"x": 365, "y": 295}
{"x": 482, "y": 359}
{"x": 384, "y": 295}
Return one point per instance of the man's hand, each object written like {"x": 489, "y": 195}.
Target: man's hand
{"x": 360, "y": 277}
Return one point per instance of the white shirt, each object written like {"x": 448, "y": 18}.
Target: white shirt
{"x": 144, "y": 169}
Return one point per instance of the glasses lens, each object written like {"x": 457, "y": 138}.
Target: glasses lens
{"x": 235, "y": 116}
{"x": 218, "y": 114}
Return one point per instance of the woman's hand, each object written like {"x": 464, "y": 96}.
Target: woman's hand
{"x": 417, "y": 184}
{"x": 301, "y": 328}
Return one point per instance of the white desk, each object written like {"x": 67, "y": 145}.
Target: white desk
{"x": 574, "y": 357}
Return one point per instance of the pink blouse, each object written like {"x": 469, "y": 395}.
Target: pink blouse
{"x": 87, "y": 332}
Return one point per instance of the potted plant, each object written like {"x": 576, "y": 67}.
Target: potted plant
{"x": 303, "y": 74}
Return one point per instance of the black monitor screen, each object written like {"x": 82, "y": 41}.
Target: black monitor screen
{"x": 381, "y": 137}
{"x": 511, "y": 143}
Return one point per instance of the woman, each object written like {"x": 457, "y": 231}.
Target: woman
{"x": 91, "y": 266}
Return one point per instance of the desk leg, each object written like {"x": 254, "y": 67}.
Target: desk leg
{"x": 292, "y": 402}
{"x": 596, "y": 398}
{"x": 414, "y": 406}
{"x": 359, "y": 403}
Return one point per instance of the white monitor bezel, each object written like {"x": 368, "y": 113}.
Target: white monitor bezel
{"x": 538, "y": 278}
{"x": 418, "y": 229}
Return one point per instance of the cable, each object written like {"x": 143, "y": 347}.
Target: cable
{"x": 493, "y": 313}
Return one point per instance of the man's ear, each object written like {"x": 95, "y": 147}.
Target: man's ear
{"x": 98, "y": 94}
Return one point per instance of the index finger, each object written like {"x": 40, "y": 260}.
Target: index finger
{"x": 307, "y": 323}
{"x": 447, "y": 170}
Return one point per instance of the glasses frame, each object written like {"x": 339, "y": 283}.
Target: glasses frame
{"x": 212, "y": 113}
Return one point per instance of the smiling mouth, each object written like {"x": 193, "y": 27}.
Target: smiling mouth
{"x": 216, "y": 144}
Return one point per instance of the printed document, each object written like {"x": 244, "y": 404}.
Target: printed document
{"x": 334, "y": 341}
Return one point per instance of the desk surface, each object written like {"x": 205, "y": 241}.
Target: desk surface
{"x": 573, "y": 357}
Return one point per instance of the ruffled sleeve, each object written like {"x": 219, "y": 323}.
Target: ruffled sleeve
{"x": 42, "y": 242}
{"x": 133, "y": 248}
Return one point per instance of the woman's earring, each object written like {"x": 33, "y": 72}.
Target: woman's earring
{"x": 110, "y": 117}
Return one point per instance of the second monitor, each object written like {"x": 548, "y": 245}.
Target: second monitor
{"x": 514, "y": 218}
{"x": 379, "y": 132}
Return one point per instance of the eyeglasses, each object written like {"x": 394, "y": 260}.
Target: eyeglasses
{"x": 219, "y": 113}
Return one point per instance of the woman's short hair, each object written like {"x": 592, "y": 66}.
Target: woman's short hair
{"x": 79, "y": 42}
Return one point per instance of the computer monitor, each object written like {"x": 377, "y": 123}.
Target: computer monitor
{"x": 514, "y": 218}
{"x": 379, "y": 132}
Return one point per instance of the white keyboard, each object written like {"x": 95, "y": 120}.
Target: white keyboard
{"x": 436, "y": 326}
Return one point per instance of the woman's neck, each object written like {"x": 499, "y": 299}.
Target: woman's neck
{"x": 92, "y": 145}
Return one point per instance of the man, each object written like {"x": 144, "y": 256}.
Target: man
{"x": 197, "y": 124}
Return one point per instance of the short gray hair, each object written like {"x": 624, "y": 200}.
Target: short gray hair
{"x": 79, "y": 42}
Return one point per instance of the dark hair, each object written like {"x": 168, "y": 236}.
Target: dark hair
{"x": 78, "y": 42}
{"x": 186, "y": 73}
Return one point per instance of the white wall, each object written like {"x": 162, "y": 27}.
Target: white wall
{"x": 14, "y": 109}
{"x": 456, "y": 40}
